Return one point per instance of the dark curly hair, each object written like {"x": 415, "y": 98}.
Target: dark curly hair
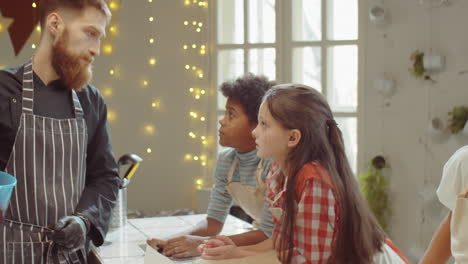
{"x": 247, "y": 90}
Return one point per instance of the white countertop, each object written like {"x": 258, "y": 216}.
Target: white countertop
{"x": 126, "y": 244}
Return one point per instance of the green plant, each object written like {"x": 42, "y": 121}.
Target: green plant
{"x": 374, "y": 186}
{"x": 418, "y": 69}
{"x": 457, "y": 118}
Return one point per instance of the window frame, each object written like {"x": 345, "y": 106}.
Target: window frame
{"x": 284, "y": 45}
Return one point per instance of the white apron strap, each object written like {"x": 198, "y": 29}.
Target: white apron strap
{"x": 232, "y": 169}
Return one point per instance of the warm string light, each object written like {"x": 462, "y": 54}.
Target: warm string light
{"x": 113, "y": 29}
{"x": 152, "y": 61}
{"x": 114, "y": 6}
{"x": 202, "y": 159}
{"x": 203, "y": 4}
{"x": 201, "y": 48}
{"x": 194, "y": 115}
{"x": 149, "y": 129}
{"x": 203, "y": 139}
{"x": 107, "y": 92}
{"x": 198, "y": 72}
{"x": 156, "y": 104}
{"x": 197, "y": 25}
{"x": 107, "y": 49}
{"x": 197, "y": 93}
{"x": 199, "y": 183}
{"x": 4, "y": 23}
{"x": 111, "y": 115}
{"x": 36, "y": 37}
{"x": 197, "y": 117}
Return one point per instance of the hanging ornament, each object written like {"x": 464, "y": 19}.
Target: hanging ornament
{"x": 4, "y": 24}
{"x": 374, "y": 186}
{"x": 433, "y": 62}
{"x": 458, "y": 119}
{"x": 426, "y": 63}
{"x": 437, "y": 130}
{"x": 378, "y": 14}
{"x": 386, "y": 86}
{"x": 25, "y": 18}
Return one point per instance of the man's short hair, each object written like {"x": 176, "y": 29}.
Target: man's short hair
{"x": 48, "y": 6}
{"x": 248, "y": 90}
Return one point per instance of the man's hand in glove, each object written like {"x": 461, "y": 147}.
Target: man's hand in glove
{"x": 70, "y": 232}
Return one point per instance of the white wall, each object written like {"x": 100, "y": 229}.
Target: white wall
{"x": 400, "y": 130}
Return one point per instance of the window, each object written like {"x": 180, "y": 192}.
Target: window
{"x": 314, "y": 42}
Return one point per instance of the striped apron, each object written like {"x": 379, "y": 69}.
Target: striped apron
{"x": 48, "y": 160}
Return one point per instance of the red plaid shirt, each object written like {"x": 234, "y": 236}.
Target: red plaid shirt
{"x": 317, "y": 212}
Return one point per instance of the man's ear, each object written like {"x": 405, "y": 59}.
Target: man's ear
{"x": 54, "y": 24}
{"x": 294, "y": 138}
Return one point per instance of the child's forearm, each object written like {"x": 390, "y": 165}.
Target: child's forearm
{"x": 258, "y": 248}
{"x": 439, "y": 249}
{"x": 248, "y": 238}
{"x": 206, "y": 228}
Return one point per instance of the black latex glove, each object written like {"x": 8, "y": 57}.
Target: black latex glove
{"x": 69, "y": 232}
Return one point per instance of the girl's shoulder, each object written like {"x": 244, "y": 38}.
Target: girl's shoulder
{"x": 310, "y": 171}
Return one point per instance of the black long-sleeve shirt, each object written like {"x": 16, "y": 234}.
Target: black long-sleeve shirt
{"x": 55, "y": 101}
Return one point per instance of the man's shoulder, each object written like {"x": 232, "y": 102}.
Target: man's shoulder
{"x": 90, "y": 94}
{"x": 10, "y": 80}
{"x": 11, "y": 73}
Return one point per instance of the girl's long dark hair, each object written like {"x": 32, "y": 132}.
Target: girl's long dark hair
{"x": 359, "y": 235}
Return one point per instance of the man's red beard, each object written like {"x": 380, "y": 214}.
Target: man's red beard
{"x": 73, "y": 70}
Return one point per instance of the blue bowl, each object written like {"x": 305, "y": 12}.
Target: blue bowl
{"x": 7, "y": 183}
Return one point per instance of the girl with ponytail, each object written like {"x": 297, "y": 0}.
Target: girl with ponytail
{"x": 320, "y": 215}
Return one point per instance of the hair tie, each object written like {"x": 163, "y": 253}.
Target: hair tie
{"x": 331, "y": 122}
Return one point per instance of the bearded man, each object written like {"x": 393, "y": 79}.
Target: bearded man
{"x": 55, "y": 139}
